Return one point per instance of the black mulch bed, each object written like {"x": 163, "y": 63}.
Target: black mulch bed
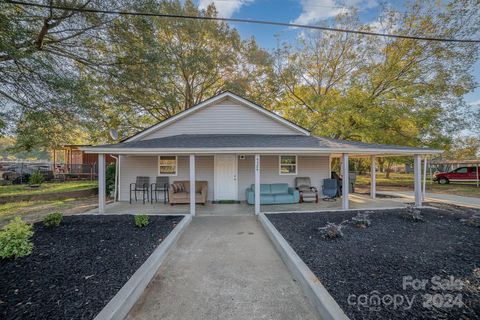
{"x": 373, "y": 261}
{"x": 76, "y": 268}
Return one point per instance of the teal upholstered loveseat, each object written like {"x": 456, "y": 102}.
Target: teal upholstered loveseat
{"x": 275, "y": 193}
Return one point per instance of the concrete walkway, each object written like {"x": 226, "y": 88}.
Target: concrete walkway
{"x": 437, "y": 197}
{"x": 223, "y": 267}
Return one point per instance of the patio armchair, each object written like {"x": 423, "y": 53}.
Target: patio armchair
{"x": 160, "y": 184}
{"x": 307, "y": 192}
{"x": 330, "y": 189}
{"x": 142, "y": 184}
{"x": 179, "y": 192}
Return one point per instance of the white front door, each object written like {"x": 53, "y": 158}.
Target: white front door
{"x": 225, "y": 177}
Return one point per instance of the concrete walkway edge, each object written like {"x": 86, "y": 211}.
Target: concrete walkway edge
{"x": 327, "y": 308}
{"x": 470, "y": 202}
{"x": 119, "y": 306}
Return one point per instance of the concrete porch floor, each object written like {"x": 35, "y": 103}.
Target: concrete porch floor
{"x": 357, "y": 201}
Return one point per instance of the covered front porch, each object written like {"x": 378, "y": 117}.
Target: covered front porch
{"x": 356, "y": 201}
{"x": 258, "y": 169}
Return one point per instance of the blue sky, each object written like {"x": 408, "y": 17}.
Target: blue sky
{"x": 304, "y": 12}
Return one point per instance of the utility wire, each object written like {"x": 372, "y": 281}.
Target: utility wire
{"x": 264, "y": 22}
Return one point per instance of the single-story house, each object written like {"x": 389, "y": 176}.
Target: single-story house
{"x": 233, "y": 143}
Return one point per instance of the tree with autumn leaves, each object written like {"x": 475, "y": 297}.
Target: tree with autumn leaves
{"x": 63, "y": 72}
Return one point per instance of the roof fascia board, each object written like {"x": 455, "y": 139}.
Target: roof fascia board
{"x": 153, "y": 151}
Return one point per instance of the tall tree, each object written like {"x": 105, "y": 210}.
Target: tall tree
{"x": 40, "y": 52}
{"x": 386, "y": 90}
{"x": 163, "y": 66}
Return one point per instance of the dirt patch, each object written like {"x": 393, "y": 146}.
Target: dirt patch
{"x": 76, "y": 268}
{"x": 35, "y": 211}
{"x": 367, "y": 263}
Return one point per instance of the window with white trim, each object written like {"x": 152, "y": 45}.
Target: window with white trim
{"x": 167, "y": 165}
{"x": 287, "y": 165}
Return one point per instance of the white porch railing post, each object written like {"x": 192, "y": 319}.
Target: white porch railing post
{"x": 345, "y": 181}
{"x": 417, "y": 179}
{"x": 192, "y": 184}
{"x": 373, "y": 178}
{"x": 101, "y": 183}
{"x": 257, "y": 184}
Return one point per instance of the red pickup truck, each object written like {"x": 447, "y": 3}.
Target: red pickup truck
{"x": 462, "y": 174}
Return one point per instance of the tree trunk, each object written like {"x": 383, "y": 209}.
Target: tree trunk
{"x": 388, "y": 169}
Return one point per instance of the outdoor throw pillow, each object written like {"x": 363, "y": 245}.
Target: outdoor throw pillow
{"x": 178, "y": 187}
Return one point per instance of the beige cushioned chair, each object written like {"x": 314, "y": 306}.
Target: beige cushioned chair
{"x": 307, "y": 192}
{"x": 201, "y": 192}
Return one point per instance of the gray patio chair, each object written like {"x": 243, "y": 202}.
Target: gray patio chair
{"x": 142, "y": 184}
{"x": 330, "y": 189}
{"x": 307, "y": 192}
{"x": 160, "y": 184}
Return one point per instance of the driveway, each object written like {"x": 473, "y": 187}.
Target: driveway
{"x": 223, "y": 267}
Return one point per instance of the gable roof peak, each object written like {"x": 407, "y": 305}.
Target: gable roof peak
{"x": 211, "y": 101}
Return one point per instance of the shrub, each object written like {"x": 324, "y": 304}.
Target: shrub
{"x": 15, "y": 239}
{"x": 414, "y": 214}
{"x": 36, "y": 178}
{"x": 53, "y": 219}
{"x": 361, "y": 220}
{"x": 141, "y": 220}
{"x": 110, "y": 180}
{"x": 332, "y": 230}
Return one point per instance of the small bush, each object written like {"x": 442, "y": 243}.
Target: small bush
{"x": 141, "y": 220}
{"x": 332, "y": 230}
{"x": 474, "y": 220}
{"x": 361, "y": 220}
{"x": 53, "y": 219}
{"x": 15, "y": 239}
{"x": 36, "y": 178}
{"x": 414, "y": 214}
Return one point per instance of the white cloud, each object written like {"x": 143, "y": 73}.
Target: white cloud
{"x": 318, "y": 10}
{"x": 475, "y": 103}
{"x": 225, "y": 8}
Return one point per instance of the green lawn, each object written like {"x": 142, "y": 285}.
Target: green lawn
{"x": 13, "y": 190}
{"x": 35, "y": 210}
{"x": 404, "y": 182}
{"x": 396, "y": 179}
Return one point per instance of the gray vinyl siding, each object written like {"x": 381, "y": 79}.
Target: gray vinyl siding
{"x": 130, "y": 168}
{"x": 226, "y": 117}
{"x": 133, "y": 166}
{"x": 315, "y": 167}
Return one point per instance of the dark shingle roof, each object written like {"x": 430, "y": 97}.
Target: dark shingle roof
{"x": 212, "y": 141}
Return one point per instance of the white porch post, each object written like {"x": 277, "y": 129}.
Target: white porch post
{"x": 417, "y": 176}
{"x": 373, "y": 178}
{"x": 192, "y": 184}
{"x": 257, "y": 184}
{"x": 101, "y": 183}
{"x": 345, "y": 182}
{"x": 424, "y": 186}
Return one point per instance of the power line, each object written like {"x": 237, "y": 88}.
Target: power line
{"x": 264, "y": 22}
